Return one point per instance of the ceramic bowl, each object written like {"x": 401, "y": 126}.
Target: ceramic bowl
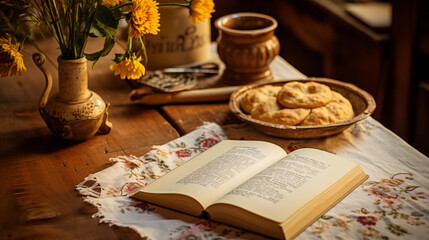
{"x": 363, "y": 106}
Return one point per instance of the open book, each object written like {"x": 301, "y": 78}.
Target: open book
{"x": 255, "y": 185}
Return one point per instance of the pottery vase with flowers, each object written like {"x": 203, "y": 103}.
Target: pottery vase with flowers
{"x": 74, "y": 112}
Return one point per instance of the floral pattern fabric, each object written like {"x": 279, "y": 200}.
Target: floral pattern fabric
{"x": 387, "y": 215}
{"x": 392, "y": 204}
{"x": 109, "y": 189}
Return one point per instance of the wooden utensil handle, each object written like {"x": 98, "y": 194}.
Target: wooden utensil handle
{"x": 198, "y": 95}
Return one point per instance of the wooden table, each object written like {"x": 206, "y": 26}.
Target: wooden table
{"x": 38, "y": 172}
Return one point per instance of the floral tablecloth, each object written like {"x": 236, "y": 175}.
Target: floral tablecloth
{"x": 392, "y": 204}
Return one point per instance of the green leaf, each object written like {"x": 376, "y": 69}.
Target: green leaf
{"x": 416, "y": 214}
{"x": 364, "y": 211}
{"x": 410, "y": 188}
{"x": 80, "y": 42}
{"x": 105, "y": 19}
{"x": 397, "y": 230}
{"x": 106, "y": 16}
{"x": 117, "y": 12}
{"x": 109, "y": 42}
{"x": 96, "y": 31}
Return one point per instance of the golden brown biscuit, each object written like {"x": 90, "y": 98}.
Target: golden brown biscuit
{"x": 257, "y": 95}
{"x": 304, "y": 95}
{"x": 271, "y": 111}
{"x": 339, "y": 109}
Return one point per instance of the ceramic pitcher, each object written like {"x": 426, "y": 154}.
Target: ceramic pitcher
{"x": 74, "y": 112}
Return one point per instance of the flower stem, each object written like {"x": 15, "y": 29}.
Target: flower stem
{"x": 122, "y": 5}
{"x": 143, "y": 49}
{"x": 130, "y": 45}
{"x": 86, "y": 30}
{"x": 187, "y": 5}
{"x": 53, "y": 12}
{"x": 73, "y": 20}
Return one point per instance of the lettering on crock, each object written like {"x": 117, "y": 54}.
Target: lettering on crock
{"x": 188, "y": 41}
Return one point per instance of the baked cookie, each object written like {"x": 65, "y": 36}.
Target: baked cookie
{"x": 258, "y": 95}
{"x": 304, "y": 95}
{"x": 339, "y": 109}
{"x": 271, "y": 111}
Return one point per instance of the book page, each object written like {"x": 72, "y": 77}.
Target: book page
{"x": 288, "y": 184}
{"x": 218, "y": 170}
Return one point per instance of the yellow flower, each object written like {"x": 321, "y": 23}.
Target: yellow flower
{"x": 129, "y": 68}
{"x": 110, "y": 2}
{"x": 144, "y": 18}
{"x": 201, "y": 10}
{"x": 11, "y": 62}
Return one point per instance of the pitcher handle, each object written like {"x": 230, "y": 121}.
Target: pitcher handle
{"x": 39, "y": 59}
{"x": 106, "y": 125}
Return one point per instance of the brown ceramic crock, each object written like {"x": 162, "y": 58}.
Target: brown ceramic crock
{"x": 247, "y": 45}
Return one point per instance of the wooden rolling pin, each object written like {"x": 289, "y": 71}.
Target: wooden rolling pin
{"x": 143, "y": 96}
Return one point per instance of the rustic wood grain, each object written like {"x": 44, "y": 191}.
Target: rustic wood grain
{"x": 186, "y": 117}
{"x": 38, "y": 172}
